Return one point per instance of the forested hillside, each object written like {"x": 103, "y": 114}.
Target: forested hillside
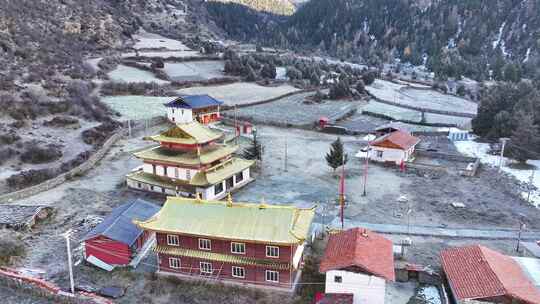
{"x": 455, "y": 37}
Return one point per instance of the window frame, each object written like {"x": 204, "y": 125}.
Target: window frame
{"x": 380, "y": 153}
{"x": 177, "y": 260}
{"x": 208, "y": 242}
{"x": 241, "y": 174}
{"x": 269, "y": 247}
{"x": 238, "y": 243}
{"x": 221, "y": 186}
{"x": 267, "y": 272}
{"x": 173, "y": 236}
{"x": 211, "y": 268}
{"x": 243, "y": 269}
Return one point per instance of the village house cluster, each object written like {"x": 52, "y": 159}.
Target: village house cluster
{"x": 195, "y": 235}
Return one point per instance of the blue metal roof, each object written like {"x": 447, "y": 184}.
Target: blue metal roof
{"x": 118, "y": 226}
{"x": 194, "y": 102}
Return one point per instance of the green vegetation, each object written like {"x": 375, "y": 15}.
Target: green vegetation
{"x": 10, "y": 246}
{"x": 337, "y": 156}
{"x": 511, "y": 110}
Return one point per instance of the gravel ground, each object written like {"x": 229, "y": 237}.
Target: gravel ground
{"x": 293, "y": 111}
{"x": 15, "y": 296}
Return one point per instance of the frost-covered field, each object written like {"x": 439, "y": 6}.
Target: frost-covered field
{"x": 428, "y": 99}
{"x": 194, "y": 70}
{"x": 240, "y": 92}
{"x": 145, "y": 40}
{"x": 461, "y": 122}
{"x": 292, "y": 110}
{"x": 124, "y": 73}
{"x": 394, "y": 112}
{"x": 434, "y": 100}
{"x": 165, "y": 54}
{"x": 480, "y": 150}
{"x": 137, "y": 107}
{"x": 398, "y": 113}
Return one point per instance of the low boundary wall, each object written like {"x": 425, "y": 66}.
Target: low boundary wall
{"x": 89, "y": 164}
{"x": 41, "y": 288}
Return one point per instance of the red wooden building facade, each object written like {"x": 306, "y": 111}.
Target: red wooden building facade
{"x": 116, "y": 240}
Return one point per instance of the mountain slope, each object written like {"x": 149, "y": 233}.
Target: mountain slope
{"x": 457, "y": 36}
{"x": 278, "y": 7}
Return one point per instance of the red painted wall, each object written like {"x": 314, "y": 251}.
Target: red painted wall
{"x": 253, "y": 274}
{"x": 107, "y": 250}
{"x": 254, "y": 250}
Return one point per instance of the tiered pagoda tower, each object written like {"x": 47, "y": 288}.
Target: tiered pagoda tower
{"x": 190, "y": 160}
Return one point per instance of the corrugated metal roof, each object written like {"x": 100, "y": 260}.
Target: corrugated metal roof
{"x": 236, "y": 221}
{"x": 188, "y": 133}
{"x": 194, "y": 102}
{"x": 477, "y": 272}
{"x": 219, "y": 257}
{"x": 118, "y": 226}
{"x": 362, "y": 248}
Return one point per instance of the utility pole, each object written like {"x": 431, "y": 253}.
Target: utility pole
{"x": 409, "y": 211}
{"x": 501, "y": 162}
{"x": 236, "y": 130}
{"x": 286, "y": 153}
{"x": 70, "y": 264}
{"x": 129, "y": 128}
{"x": 521, "y": 227}
{"x": 366, "y": 170}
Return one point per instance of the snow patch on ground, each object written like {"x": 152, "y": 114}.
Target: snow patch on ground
{"x": 430, "y": 294}
{"x": 480, "y": 150}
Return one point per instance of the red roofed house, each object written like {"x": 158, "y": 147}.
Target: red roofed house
{"x": 477, "y": 273}
{"x": 397, "y": 147}
{"x": 358, "y": 262}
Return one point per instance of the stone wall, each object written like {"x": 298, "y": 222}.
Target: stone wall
{"x": 89, "y": 164}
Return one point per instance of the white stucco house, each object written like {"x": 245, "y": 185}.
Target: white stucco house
{"x": 358, "y": 262}
{"x": 397, "y": 147}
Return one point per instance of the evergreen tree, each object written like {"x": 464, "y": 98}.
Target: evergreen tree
{"x": 251, "y": 76}
{"x": 269, "y": 71}
{"x": 524, "y": 140}
{"x": 336, "y": 157}
{"x": 255, "y": 150}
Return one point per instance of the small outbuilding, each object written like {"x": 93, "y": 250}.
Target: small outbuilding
{"x": 396, "y": 147}
{"x": 202, "y": 108}
{"x": 477, "y": 273}
{"x": 358, "y": 262}
{"x": 117, "y": 241}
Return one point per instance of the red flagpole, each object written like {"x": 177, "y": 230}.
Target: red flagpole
{"x": 342, "y": 191}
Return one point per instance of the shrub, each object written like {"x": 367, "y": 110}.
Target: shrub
{"x": 29, "y": 178}
{"x": 35, "y": 154}
{"x": 10, "y": 246}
